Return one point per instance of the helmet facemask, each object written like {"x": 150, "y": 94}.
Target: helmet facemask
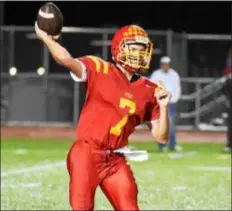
{"x": 135, "y": 52}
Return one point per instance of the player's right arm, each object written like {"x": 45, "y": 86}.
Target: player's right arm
{"x": 156, "y": 115}
{"x": 59, "y": 53}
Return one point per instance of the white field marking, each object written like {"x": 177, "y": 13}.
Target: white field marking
{"x": 47, "y": 166}
{"x": 46, "y": 15}
{"x": 178, "y": 187}
{"x": 21, "y": 151}
{"x": 17, "y": 185}
{"x": 212, "y": 168}
{"x": 182, "y": 155}
{"x": 224, "y": 157}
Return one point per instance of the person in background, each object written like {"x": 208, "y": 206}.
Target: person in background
{"x": 228, "y": 91}
{"x": 171, "y": 80}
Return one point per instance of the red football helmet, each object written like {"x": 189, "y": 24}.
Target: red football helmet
{"x": 131, "y": 59}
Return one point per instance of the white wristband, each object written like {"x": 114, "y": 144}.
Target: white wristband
{"x": 84, "y": 74}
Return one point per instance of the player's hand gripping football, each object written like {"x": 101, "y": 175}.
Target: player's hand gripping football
{"x": 43, "y": 35}
{"x": 162, "y": 95}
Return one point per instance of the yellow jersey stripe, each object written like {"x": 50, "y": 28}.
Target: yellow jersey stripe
{"x": 106, "y": 68}
{"x": 97, "y": 63}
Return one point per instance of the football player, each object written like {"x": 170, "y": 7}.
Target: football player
{"x": 117, "y": 100}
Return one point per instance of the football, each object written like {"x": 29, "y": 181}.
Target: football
{"x": 50, "y": 19}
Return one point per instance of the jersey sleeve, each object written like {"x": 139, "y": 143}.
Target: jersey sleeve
{"x": 152, "y": 109}
{"x": 84, "y": 74}
{"x": 91, "y": 66}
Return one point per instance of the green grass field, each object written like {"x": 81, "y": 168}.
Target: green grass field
{"x": 34, "y": 176}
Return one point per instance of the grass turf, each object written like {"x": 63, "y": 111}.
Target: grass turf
{"x": 201, "y": 180}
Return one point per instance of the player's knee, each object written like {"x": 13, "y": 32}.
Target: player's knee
{"x": 78, "y": 207}
{"x": 128, "y": 197}
{"x": 128, "y": 205}
{"x": 81, "y": 204}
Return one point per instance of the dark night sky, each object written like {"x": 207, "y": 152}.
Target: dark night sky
{"x": 192, "y": 17}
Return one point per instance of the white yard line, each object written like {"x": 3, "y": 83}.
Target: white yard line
{"x": 224, "y": 157}
{"x": 39, "y": 167}
{"x": 179, "y": 187}
{"x": 17, "y": 185}
{"x": 21, "y": 151}
{"x": 182, "y": 155}
{"x": 212, "y": 168}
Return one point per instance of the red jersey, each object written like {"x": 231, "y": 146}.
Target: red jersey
{"x": 113, "y": 105}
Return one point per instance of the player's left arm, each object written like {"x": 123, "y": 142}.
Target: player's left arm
{"x": 160, "y": 127}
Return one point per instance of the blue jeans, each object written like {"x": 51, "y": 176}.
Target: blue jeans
{"x": 172, "y": 132}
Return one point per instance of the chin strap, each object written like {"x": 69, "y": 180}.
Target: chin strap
{"x": 127, "y": 68}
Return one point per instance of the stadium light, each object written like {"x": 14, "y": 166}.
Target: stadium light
{"x": 13, "y": 71}
{"x": 41, "y": 71}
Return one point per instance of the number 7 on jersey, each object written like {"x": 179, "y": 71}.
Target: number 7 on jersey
{"x": 116, "y": 130}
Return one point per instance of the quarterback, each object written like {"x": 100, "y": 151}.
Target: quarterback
{"x": 118, "y": 99}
